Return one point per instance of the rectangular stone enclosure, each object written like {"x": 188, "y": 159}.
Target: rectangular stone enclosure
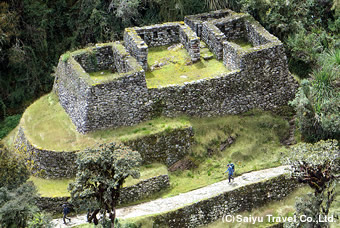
{"x": 120, "y": 97}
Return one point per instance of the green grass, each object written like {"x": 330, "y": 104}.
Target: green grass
{"x": 48, "y": 126}
{"x": 257, "y": 146}
{"x": 58, "y": 187}
{"x": 176, "y": 71}
{"x": 102, "y": 76}
{"x": 51, "y": 187}
{"x": 243, "y": 43}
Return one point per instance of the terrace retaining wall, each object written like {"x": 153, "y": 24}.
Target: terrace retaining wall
{"x": 129, "y": 194}
{"x": 46, "y": 163}
{"x": 241, "y": 199}
{"x": 166, "y": 147}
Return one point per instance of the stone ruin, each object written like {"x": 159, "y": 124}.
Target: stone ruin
{"x": 258, "y": 77}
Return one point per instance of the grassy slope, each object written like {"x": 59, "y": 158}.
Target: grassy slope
{"x": 256, "y": 147}
{"x": 48, "y": 126}
{"x": 176, "y": 71}
{"x": 58, "y": 187}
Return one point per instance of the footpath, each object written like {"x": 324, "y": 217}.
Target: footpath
{"x": 178, "y": 201}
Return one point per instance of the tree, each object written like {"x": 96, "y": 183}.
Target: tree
{"x": 100, "y": 176}
{"x": 13, "y": 171}
{"x": 17, "y": 208}
{"x": 317, "y": 165}
{"x": 17, "y": 197}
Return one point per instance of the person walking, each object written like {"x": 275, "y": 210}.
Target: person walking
{"x": 230, "y": 171}
{"x": 66, "y": 210}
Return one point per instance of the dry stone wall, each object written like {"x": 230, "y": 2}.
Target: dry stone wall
{"x": 256, "y": 34}
{"x": 120, "y": 102}
{"x": 72, "y": 85}
{"x": 138, "y": 39}
{"x": 229, "y": 93}
{"x": 232, "y": 27}
{"x": 167, "y": 147}
{"x": 260, "y": 76}
{"x": 214, "y": 39}
{"x": 96, "y": 58}
{"x": 130, "y": 194}
{"x": 163, "y": 147}
{"x": 241, "y": 199}
{"x": 46, "y": 163}
{"x": 195, "y": 22}
{"x": 190, "y": 41}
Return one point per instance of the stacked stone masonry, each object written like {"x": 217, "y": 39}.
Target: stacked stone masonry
{"x": 137, "y": 40}
{"x": 164, "y": 147}
{"x": 141, "y": 190}
{"x": 241, "y": 199}
{"x": 259, "y": 77}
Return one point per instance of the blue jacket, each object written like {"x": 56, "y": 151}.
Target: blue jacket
{"x": 230, "y": 170}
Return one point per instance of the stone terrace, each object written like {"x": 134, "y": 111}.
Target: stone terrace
{"x": 260, "y": 78}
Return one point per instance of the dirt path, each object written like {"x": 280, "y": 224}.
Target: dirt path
{"x": 172, "y": 203}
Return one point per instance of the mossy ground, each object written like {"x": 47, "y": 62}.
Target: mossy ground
{"x": 176, "y": 71}
{"x": 243, "y": 43}
{"x": 257, "y": 145}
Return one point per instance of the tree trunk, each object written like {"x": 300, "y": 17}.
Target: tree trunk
{"x": 113, "y": 217}
{"x": 94, "y": 217}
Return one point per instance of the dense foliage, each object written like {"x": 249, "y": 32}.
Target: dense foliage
{"x": 13, "y": 171}
{"x": 317, "y": 103}
{"x": 101, "y": 172}
{"x": 317, "y": 165}
{"x": 18, "y": 209}
{"x": 8, "y": 124}
{"x": 17, "y": 197}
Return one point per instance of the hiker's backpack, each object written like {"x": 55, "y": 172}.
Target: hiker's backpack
{"x": 232, "y": 166}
